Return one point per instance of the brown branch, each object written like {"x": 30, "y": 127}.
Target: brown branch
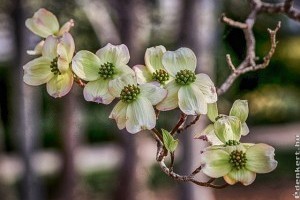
{"x": 285, "y": 8}
{"x": 77, "y": 80}
{"x": 246, "y": 66}
{"x": 232, "y": 23}
{"x": 189, "y": 125}
{"x": 180, "y": 122}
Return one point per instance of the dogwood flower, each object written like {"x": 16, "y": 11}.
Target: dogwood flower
{"x": 109, "y": 63}
{"x": 52, "y": 67}
{"x": 226, "y": 128}
{"x": 238, "y": 163}
{"x": 135, "y": 109}
{"x": 189, "y": 91}
{"x": 44, "y": 23}
{"x": 153, "y": 70}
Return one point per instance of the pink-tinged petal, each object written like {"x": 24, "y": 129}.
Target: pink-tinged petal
{"x": 207, "y": 87}
{"x": 191, "y": 100}
{"x": 215, "y": 163}
{"x": 140, "y": 116}
{"x": 62, "y": 65}
{"x": 60, "y": 85}
{"x": 86, "y": 65}
{"x": 142, "y": 73}
{"x": 260, "y": 158}
{"x": 66, "y": 27}
{"x": 37, "y": 71}
{"x": 171, "y": 100}
{"x": 43, "y": 23}
{"x": 244, "y": 176}
{"x": 153, "y": 93}
{"x": 50, "y": 47}
{"x": 37, "y": 49}
{"x": 153, "y": 58}
{"x": 66, "y": 47}
{"x": 181, "y": 59}
{"x": 116, "y": 86}
{"x": 97, "y": 91}
{"x": 119, "y": 114}
{"x": 115, "y": 54}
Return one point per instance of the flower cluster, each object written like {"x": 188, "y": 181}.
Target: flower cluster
{"x": 166, "y": 81}
{"x": 227, "y": 157}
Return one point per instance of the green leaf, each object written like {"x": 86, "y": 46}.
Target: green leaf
{"x": 169, "y": 142}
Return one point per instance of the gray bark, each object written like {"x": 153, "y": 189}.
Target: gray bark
{"x": 198, "y": 33}
{"x": 25, "y": 105}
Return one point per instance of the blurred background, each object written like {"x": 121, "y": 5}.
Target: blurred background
{"x": 68, "y": 149}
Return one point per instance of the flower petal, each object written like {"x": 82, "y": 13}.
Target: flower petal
{"x": 50, "y": 47}
{"x": 245, "y": 130}
{"x": 119, "y": 114}
{"x": 240, "y": 109}
{"x": 207, "y": 88}
{"x": 142, "y": 73}
{"x": 153, "y": 93}
{"x": 183, "y": 58}
{"x": 86, "y": 65}
{"x": 140, "y": 116}
{"x": 191, "y": 100}
{"x": 244, "y": 176}
{"x": 43, "y": 23}
{"x": 215, "y": 163}
{"x": 153, "y": 58}
{"x": 208, "y": 134}
{"x": 171, "y": 100}
{"x": 228, "y": 128}
{"x": 37, "y": 49}
{"x": 116, "y": 86}
{"x": 66, "y": 47}
{"x": 260, "y": 158}
{"x": 37, "y": 71}
{"x": 123, "y": 69}
{"x": 115, "y": 54}
{"x": 66, "y": 27}
{"x": 97, "y": 91}
{"x": 60, "y": 85}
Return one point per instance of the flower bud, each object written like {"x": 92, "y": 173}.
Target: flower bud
{"x": 228, "y": 128}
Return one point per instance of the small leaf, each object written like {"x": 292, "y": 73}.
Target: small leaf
{"x": 212, "y": 111}
{"x": 169, "y": 142}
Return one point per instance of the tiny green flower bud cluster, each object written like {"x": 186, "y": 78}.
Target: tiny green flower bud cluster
{"x": 185, "y": 77}
{"x": 54, "y": 67}
{"x": 232, "y": 143}
{"x": 107, "y": 70}
{"x": 238, "y": 159}
{"x": 160, "y": 76}
{"x": 130, "y": 93}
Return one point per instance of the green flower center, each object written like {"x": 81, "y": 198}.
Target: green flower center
{"x": 185, "y": 77}
{"x": 232, "y": 143}
{"x": 130, "y": 93}
{"x": 54, "y": 67}
{"x": 107, "y": 70}
{"x": 160, "y": 76}
{"x": 238, "y": 159}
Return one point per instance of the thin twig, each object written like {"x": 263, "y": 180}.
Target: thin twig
{"x": 189, "y": 125}
{"x": 180, "y": 122}
{"x": 229, "y": 62}
{"x": 232, "y": 23}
